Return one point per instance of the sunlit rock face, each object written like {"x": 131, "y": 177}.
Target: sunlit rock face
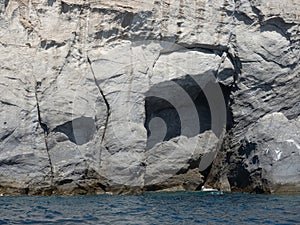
{"x": 271, "y": 148}
{"x": 126, "y": 96}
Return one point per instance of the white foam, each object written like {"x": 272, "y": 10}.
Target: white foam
{"x": 208, "y": 189}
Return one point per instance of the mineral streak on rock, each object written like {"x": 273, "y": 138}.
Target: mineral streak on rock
{"x": 120, "y": 96}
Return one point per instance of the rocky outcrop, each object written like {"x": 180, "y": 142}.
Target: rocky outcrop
{"x": 267, "y": 159}
{"x": 130, "y": 96}
{"x": 268, "y": 84}
{"x": 272, "y": 148}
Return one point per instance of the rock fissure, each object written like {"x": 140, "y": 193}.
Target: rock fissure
{"x": 7, "y": 135}
{"x": 270, "y": 60}
{"x": 237, "y": 64}
{"x": 218, "y": 49}
{"x": 104, "y": 98}
{"x": 8, "y": 103}
{"x": 45, "y": 131}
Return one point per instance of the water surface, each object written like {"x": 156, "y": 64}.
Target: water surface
{"x": 152, "y": 208}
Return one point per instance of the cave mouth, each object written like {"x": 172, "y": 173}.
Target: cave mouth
{"x": 163, "y": 122}
{"x": 79, "y": 131}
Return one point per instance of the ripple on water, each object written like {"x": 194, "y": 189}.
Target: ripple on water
{"x": 152, "y": 208}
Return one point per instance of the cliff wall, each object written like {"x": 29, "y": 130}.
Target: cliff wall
{"x": 126, "y": 96}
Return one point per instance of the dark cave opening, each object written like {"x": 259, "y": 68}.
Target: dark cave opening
{"x": 79, "y": 131}
{"x": 168, "y": 121}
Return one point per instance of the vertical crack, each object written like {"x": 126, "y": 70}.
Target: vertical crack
{"x": 108, "y": 110}
{"x": 46, "y": 131}
{"x": 104, "y": 98}
{"x": 6, "y": 2}
{"x": 156, "y": 59}
{"x": 232, "y": 55}
{"x": 232, "y": 51}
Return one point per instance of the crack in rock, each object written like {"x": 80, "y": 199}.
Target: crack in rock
{"x": 108, "y": 111}
{"x": 46, "y": 132}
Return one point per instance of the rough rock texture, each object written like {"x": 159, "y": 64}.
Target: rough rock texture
{"x": 124, "y": 96}
{"x": 272, "y": 148}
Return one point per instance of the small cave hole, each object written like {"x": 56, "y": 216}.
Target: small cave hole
{"x": 79, "y": 131}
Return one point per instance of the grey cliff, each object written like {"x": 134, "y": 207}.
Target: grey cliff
{"x": 130, "y": 96}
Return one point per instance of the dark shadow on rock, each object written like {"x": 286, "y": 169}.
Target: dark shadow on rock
{"x": 79, "y": 131}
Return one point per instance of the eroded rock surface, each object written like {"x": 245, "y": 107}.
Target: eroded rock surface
{"x": 125, "y": 96}
{"x": 271, "y": 156}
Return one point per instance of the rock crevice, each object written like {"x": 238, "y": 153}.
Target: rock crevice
{"x": 45, "y": 131}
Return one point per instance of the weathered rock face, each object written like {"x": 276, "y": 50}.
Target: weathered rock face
{"x": 140, "y": 95}
{"x": 268, "y": 83}
{"x": 272, "y": 148}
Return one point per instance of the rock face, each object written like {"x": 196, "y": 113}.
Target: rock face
{"x": 130, "y": 96}
{"x": 272, "y": 148}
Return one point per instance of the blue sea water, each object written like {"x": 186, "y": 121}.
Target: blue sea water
{"x": 152, "y": 208}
